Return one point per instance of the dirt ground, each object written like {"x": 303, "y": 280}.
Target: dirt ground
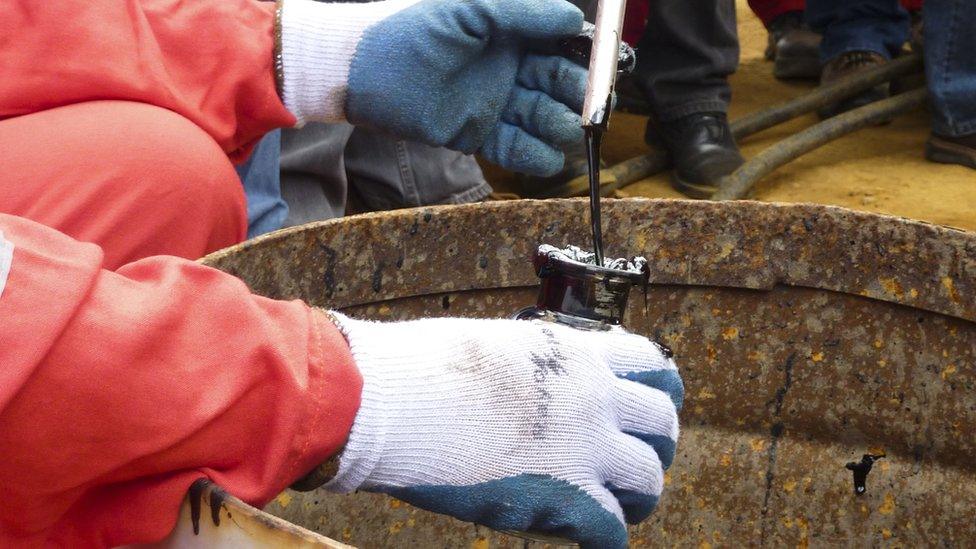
{"x": 877, "y": 169}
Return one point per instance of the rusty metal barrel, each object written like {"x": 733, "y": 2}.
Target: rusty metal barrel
{"x": 807, "y": 337}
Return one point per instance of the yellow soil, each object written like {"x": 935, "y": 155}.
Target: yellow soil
{"x": 877, "y": 169}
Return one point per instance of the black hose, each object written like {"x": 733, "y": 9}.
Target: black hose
{"x": 739, "y": 184}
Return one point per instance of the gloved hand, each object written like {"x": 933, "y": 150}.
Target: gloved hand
{"x": 515, "y": 425}
{"x": 464, "y": 74}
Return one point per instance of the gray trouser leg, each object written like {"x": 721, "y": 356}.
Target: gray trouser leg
{"x": 313, "y": 172}
{"x": 388, "y": 174}
{"x": 684, "y": 58}
{"x": 320, "y": 163}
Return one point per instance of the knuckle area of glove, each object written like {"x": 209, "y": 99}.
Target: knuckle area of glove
{"x": 551, "y": 73}
{"x": 529, "y": 111}
{"x": 559, "y": 71}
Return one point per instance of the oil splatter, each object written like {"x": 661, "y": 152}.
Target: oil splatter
{"x": 217, "y": 497}
{"x": 665, "y": 350}
{"x": 377, "y": 278}
{"x": 861, "y": 470}
{"x": 195, "y": 495}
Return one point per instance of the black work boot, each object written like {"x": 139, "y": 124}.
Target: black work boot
{"x": 846, "y": 65}
{"x": 702, "y": 151}
{"x": 793, "y": 47}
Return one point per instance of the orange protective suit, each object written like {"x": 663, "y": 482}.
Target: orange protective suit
{"x": 124, "y": 377}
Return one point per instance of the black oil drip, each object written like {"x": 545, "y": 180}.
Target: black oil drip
{"x": 861, "y": 470}
{"x": 594, "y": 135}
{"x": 647, "y": 282}
{"x": 217, "y": 497}
{"x": 195, "y": 495}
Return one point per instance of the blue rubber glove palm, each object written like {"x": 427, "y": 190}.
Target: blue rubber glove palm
{"x": 516, "y": 425}
{"x": 469, "y": 75}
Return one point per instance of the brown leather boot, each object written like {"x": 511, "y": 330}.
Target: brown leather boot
{"x": 794, "y": 48}
{"x": 847, "y": 64}
{"x": 952, "y": 150}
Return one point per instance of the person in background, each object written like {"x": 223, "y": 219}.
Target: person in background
{"x": 950, "y": 74}
{"x": 129, "y": 372}
{"x": 858, "y": 35}
{"x": 791, "y": 45}
{"x": 862, "y": 34}
{"x": 323, "y": 166}
{"x": 684, "y": 59}
{"x": 685, "y": 54}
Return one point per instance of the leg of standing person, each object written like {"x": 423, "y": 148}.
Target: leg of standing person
{"x": 323, "y": 163}
{"x": 135, "y": 179}
{"x": 689, "y": 50}
{"x": 950, "y": 67}
{"x": 878, "y": 26}
{"x": 791, "y": 45}
{"x": 858, "y": 35}
{"x": 313, "y": 172}
{"x": 266, "y": 209}
{"x": 387, "y": 173}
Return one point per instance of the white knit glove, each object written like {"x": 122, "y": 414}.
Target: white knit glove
{"x": 516, "y": 425}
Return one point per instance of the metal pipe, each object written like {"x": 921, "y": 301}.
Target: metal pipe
{"x": 603, "y": 62}
{"x": 739, "y": 184}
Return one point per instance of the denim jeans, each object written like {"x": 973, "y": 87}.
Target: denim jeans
{"x": 880, "y": 26}
{"x": 950, "y": 65}
{"x": 266, "y": 210}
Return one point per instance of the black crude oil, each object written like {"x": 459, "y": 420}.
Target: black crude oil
{"x": 594, "y": 136}
{"x": 217, "y": 497}
{"x": 861, "y": 470}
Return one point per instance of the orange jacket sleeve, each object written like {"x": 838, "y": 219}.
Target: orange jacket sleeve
{"x": 119, "y": 389}
{"x": 208, "y": 60}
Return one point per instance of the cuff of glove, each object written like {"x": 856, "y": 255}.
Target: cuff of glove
{"x": 318, "y": 41}
{"x": 367, "y": 436}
